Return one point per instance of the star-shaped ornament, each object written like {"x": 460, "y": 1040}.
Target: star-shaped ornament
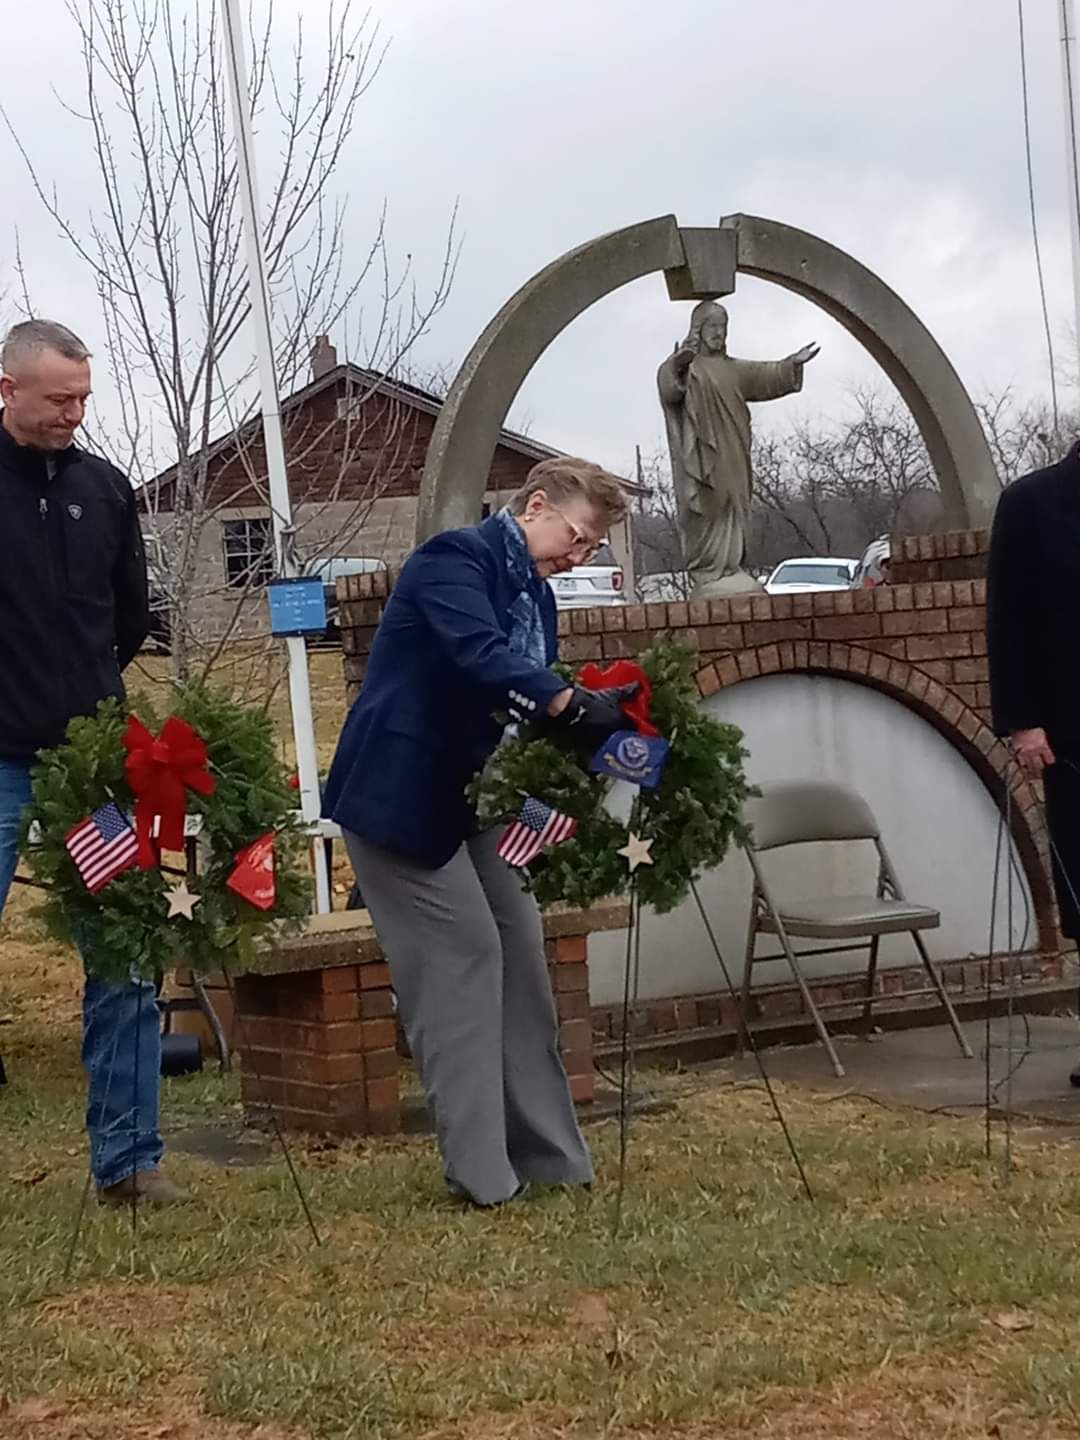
{"x": 636, "y": 851}
{"x": 181, "y": 901}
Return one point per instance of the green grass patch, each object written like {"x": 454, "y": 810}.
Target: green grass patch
{"x": 724, "y": 1296}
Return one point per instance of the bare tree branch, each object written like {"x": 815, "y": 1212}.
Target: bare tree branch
{"x": 164, "y": 248}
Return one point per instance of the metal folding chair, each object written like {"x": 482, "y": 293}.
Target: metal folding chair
{"x": 813, "y": 812}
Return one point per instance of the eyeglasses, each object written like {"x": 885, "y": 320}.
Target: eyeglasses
{"x": 585, "y": 547}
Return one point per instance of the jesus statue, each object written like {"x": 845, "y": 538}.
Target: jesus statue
{"x": 706, "y": 395}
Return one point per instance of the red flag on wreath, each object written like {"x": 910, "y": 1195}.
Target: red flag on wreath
{"x": 253, "y": 876}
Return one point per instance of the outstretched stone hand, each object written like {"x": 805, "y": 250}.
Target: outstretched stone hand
{"x": 806, "y": 354}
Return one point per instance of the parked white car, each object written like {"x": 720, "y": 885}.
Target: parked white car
{"x": 807, "y": 574}
{"x": 598, "y": 583}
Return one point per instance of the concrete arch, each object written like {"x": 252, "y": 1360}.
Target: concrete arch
{"x": 702, "y": 263}
{"x": 960, "y": 725}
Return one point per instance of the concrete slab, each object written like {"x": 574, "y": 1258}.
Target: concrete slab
{"x": 230, "y": 1144}
{"x": 923, "y": 1068}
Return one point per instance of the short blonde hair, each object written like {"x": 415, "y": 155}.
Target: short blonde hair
{"x": 565, "y": 476}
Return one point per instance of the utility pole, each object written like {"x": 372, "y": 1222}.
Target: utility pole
{"x": 1067, "y": 19}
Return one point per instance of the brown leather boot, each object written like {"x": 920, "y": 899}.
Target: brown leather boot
{"x": 149, "y": 1187}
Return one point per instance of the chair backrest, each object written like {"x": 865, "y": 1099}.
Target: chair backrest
{"x": 797, "y": 812}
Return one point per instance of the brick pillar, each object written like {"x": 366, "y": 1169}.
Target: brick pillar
{"x": 318, "y": 1047}
{"x": 378, "y": 1027}
{"x": 318, "y": 1037}
{"x": 567, "y": 957}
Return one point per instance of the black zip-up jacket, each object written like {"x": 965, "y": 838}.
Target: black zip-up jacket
{"x": 1032, "y": 603}
{"x": 73, "y": 605}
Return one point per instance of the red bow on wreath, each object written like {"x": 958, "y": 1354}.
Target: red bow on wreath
{"x": 159, "y": 771}
{"x": 623, "y": 672}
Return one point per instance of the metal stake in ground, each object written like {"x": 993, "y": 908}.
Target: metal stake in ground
{"x": 135, "y": 1123}
{"x": 752, "y": 1043}
{"x": 631, "y": 978}
{"x": 81, "y": 1215}
{"x": 1012, "y": 960}
{"x": 988, "y": 988}
{"x": 1010, "y": 1006}
{"x": 274, "y": 1122}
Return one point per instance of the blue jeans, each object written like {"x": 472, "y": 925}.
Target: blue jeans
{"x": 121, "y": 1049}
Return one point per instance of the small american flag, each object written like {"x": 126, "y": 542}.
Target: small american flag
{"x": 537, "y": 825}
{"x": 102, "y": 846}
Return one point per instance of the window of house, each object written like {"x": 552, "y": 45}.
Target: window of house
{"x": 249, "y": 552}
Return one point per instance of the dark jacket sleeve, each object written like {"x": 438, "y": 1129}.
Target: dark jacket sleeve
{"x": 551, "y": 625}
{"x": 448, "y": 584}
{"x": 1012, "y": 624}
{"x": 131, "y": 605}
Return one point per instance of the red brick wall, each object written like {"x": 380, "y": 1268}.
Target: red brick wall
{"x": 937, "y": 627}
{"x": 958, "y": 555}
{"x": 318, "y": 1036}
{"x": 922, "y": 642}
{"x": 773, "y": 1006}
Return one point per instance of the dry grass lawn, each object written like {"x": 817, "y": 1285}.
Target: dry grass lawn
{"x": 918, "y": 1297}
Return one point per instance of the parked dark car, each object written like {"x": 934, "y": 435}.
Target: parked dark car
{"x": 159, "y": 636}
{"x": 330, "y": 571}
{"x": 874, "y": 567}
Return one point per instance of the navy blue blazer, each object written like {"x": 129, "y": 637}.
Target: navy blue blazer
{"x": 422, "y": 726}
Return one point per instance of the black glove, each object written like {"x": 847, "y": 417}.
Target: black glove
{"x": 597, "y": 713}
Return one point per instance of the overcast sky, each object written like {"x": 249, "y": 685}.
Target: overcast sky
{"x": 891, "y": 128}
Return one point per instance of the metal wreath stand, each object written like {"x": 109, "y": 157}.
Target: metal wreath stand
{"x": 190, "y": 873}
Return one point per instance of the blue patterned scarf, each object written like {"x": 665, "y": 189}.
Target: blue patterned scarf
{"x": 526, "y": 614}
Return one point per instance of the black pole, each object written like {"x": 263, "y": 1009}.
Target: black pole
{"x": 989, "y": 989}
{"x": 753, "y": 1044}
{"x": 90, "y": 1172}
{"x": 626, "y": 1053}
{"x": 135, "y": 1117}
{"x": 275, "y": 1123}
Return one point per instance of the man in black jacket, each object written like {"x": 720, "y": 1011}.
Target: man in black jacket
{"x": 73, "y": 613}
{"x": 1035, "y": 653}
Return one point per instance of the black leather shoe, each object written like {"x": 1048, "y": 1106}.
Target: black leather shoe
{"x": 460, "y": 1193}
{"x": 1074, "y": 1075}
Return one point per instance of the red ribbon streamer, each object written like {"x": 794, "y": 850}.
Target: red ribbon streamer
{"x": 159, "y": 771}
{"x": 623, "y": 672}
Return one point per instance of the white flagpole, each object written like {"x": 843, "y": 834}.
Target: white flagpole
{"x": 1067, "y": 18}
{"x": 281, "y": 508}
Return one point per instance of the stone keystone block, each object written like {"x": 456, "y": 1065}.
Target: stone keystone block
{"x": 709, "y": 271}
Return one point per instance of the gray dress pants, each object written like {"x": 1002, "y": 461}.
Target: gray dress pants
{"x": 465, "y": 946}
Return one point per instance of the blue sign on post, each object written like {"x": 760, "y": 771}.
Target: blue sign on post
{"x": 297, "y": 606}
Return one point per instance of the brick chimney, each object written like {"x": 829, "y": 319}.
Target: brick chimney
{"x": 323, "y": 357}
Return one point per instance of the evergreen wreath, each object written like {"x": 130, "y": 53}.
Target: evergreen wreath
{"x": 692, "y": 817}
{"x": 125, "y": 928}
